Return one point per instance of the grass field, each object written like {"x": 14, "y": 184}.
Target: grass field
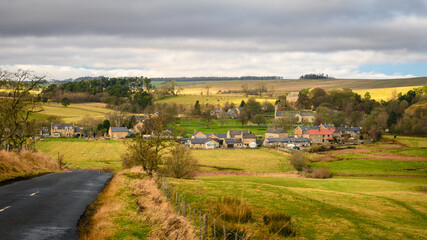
{"x": 383, "y": 93}
{"x": 338, "y": 208}
{"x": 215, "y": 127}
{"x": 286, "y": 85}
{"x": 79, "y": 153}
{"x": 247, "y": 160}
{"x": 216, "y": 100}
{"x": 76, "y": 111}
{"x": 371, "y": 203}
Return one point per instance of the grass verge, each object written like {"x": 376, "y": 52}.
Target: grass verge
{"x": 25, "y": 164}
{"x": 132, "y": 207}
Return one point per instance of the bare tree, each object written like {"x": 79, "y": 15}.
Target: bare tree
{"x": 207, "y": 87}
{"x": 148, "y": 152}
{"x": 17, "y": 107}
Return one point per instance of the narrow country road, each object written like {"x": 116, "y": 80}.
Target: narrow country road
{"x": 48, "y": 207}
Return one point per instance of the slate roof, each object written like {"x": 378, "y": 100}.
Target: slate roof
{"x": 276, "y": 130}
{"x": 287, "y": 140}
{"x": 350, "y": 129}
{"x": 201, "y": 140}
{"x": 306, "y": 113}
{"x": 62, "y": 125}
{"x": 219, "y": 135}
{"x": 248, "y": 135}
{"x": 237, "y": 132}
{"x": 233, "y": 140}
{"x": 119, "y": 129}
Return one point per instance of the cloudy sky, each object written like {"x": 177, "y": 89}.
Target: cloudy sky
{"x": 170, "y": 38}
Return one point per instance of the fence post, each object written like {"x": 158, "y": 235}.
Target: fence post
{"x": 223, "y": 230}
{"x": 200, "y": 223}
{"x": 205, "y": 225}
{"x": 214, "y": 229}
{"x": 235, "y": 234}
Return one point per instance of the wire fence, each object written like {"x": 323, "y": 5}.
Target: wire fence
{"x": 206, "y": 226}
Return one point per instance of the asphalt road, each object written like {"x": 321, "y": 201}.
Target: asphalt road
{"x": 49, "y": 206}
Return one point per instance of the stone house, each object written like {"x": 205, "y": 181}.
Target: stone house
{"x": 276, "y": 133}
{"x": 286, "y": 142}
{"x": 62, "y": 130}
{"x": 198, "y": 134}
{"x": 203, "y": 143}
{"x": 292, "y": 97}
{"x": 118, "y": 132}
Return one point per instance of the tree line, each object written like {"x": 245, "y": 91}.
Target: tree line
{"x": 316, "y": 76}
{"x": 403, "y": 114}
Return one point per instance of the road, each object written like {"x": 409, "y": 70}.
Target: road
{"x": 49, "y": 206}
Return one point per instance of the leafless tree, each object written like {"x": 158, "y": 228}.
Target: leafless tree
{"x": 17, "y": 107}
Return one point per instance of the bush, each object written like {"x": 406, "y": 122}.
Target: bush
{"x": 298, "y": 160}
{"x": 232, "y": 209}
{"x": 317, "y": 148}
{"x": 321, "y": 172}
{"x": 180, "y": 163}
{"x": 279, "y": 223}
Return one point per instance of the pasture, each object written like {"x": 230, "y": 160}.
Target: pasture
{"x": 286, "y": 85}
{"x": 215, "y": 99}
{"x": 244, "y": 160}
{"x": 384, "y": 93}
{"x": 75, "y": 112}
{"x": 80, "y": 153}
{"x": 337, "y": 208}
{"x": 189, "y": 125}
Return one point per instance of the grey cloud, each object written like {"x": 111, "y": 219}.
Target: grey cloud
{"x": 298, "y": 25}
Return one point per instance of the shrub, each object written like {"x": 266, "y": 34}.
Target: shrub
{"x": 321, "y": 172}
{"x": 232, "y": 209}
{"x": 317, "y": 148}
{"x": 181, "y": 163}
{"x": 298, "y": 160}
{"x": 279, "y": 223}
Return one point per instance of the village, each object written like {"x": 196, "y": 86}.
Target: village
{"x": 303, "y": 136}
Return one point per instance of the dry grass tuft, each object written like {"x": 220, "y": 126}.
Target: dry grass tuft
{"x": 101, "y": 225}
{"x": 158, "y": 212}
{"x": 24, "y": 164}
{"x": 232, "y": 209}
{"x": 321, "y": 172}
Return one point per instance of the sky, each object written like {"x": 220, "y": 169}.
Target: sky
{"x": 188, "y": 38}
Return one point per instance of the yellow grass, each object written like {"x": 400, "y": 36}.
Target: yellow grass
{"x": 132, "y": 207}
{"x": 25, "y": 164}
{"x": 32, "y": 91}
{"x": 159, "y": 213}
{"x": 76, "y": 111}
{"x": 216, "y": 100}
{"x": 384, "y": 93}
{"x": 286, "y": 85}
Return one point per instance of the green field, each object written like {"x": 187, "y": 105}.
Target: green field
{"x": 75, "y": 112}
{"x": 247, "y": 160}
{"x": 189, "y": 125}
{"x": 338, "y": 208}
{"x": 378, "y": 200}
{"x": 80, "y": 153}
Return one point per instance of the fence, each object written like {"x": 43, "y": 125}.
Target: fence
{"x": 207, "y": 227}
